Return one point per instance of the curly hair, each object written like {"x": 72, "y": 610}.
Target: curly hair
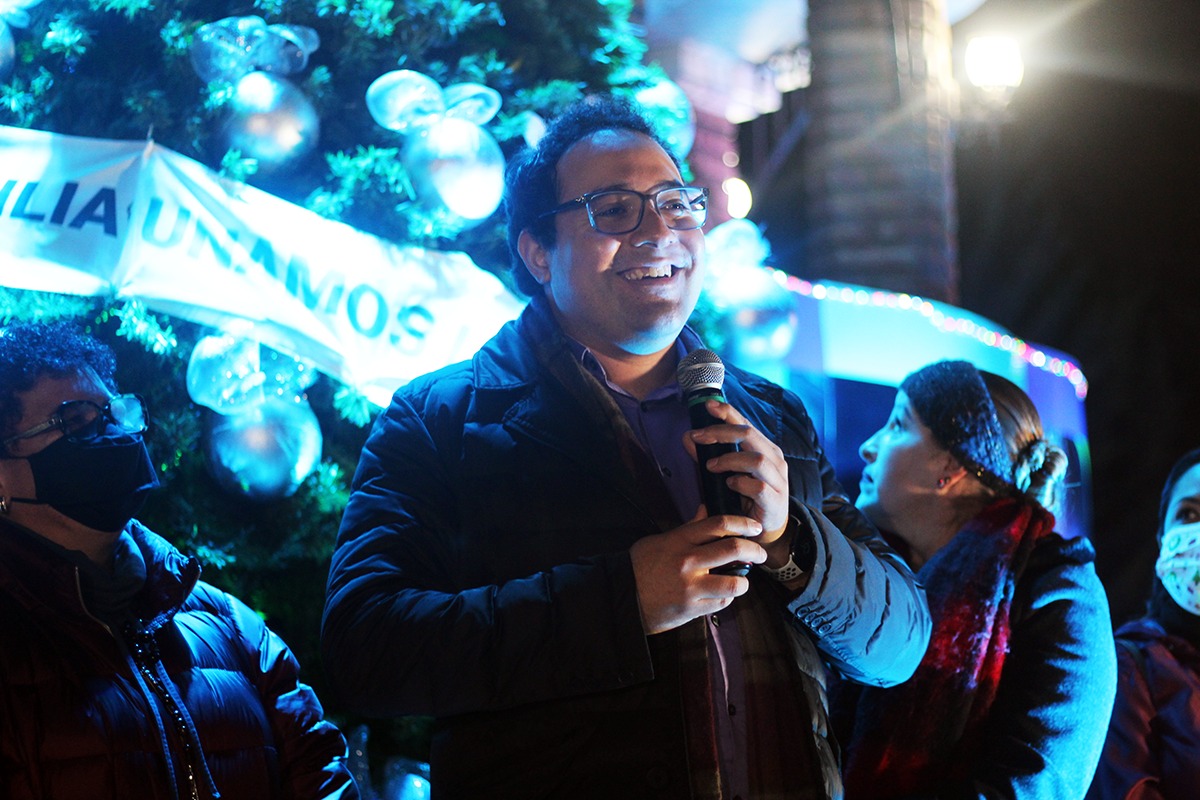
{"x": 531, "y": 178}
{"x": 31, "y": 350}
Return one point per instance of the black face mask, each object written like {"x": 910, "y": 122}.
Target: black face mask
{"x": 100, "y": 482}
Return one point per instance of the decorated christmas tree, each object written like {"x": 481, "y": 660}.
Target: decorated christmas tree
{"x": 394, "y": 117}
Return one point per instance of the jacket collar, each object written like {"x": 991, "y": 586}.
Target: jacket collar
{"x": 514, "y": 361}
{"x": 170, "y": 576}
{"x": 503, "y": 364}
{"x": 529, "y": 381}
{"x": 509, "y": 360}
{"x": 40, "y": 576}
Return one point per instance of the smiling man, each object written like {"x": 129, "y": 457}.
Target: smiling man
{"x": 525, "y": 555}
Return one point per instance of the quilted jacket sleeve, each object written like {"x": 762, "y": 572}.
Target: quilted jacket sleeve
{"x": 862, "y": 605}
{"x": 312, "y": 751}
{"x": 864, "y": 608}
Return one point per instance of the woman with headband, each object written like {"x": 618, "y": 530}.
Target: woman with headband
{"x": 1014, "y": 693}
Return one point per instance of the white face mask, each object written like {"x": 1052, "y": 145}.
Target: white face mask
{"x": 1178, "y": 565}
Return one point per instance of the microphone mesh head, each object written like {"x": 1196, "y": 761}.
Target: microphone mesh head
{"x": 700, "y": 369}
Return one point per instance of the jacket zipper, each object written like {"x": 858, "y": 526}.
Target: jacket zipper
{"x": 145, "y": 652}
{"x": 160, "y": 690}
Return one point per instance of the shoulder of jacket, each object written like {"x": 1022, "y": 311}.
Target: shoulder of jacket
{"x": 779, "y": 412}
{"x": 1141, "y": 629}
{"x": 1063, "y": 570}
{"x": 753, "y": 383}
{"x": 224, "y": 611}
{"x": 208, "y": 598}
{"x": 1057, "y": 553}
{"x": 449, "y": 380}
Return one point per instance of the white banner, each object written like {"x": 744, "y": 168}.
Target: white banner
{"x": 138, "y": 221}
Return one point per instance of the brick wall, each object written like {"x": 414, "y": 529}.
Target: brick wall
{"x": 878, "y": 155}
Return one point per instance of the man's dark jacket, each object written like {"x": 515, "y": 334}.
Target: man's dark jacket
{"x": 482, "y": 575}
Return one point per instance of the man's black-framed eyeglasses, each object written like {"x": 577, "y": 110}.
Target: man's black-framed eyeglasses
{"x": 84, "y": 419}
{"x": 617, "y": 211}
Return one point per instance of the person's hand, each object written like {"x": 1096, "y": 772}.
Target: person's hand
{"x": 760, "y": 471}
{"x": 671, "y": 569}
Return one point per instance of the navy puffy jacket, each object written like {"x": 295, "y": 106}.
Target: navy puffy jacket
{"x": 80, "y": 719}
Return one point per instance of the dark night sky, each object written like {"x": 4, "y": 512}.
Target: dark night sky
{"x": 1079, "y": 227}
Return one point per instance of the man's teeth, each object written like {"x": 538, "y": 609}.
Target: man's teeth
{"x": 638, "y": 273}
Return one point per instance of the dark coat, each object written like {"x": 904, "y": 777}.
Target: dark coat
{"x": 79, "y": 718}
{"x": 1153, "y": 745}
{"x": 482, "y": 575}
{"x": 1046, "y": 728}
{"x": 1040, "y": 737}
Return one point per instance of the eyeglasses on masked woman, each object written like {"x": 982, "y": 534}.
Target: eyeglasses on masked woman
{"x": 85, "y": 419}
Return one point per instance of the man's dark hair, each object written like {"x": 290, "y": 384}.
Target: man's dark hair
{"x": 31, "y": 350}
{"x": 532, "y": 175}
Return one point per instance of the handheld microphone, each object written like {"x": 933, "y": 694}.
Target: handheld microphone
{"x": 701, "y": 374}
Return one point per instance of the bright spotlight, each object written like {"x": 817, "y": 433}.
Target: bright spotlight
{"x": 994, "y": 63}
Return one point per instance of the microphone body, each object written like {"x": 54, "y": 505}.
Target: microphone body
{"x": 718, "y": 497}
{"x": 701, "y": 375}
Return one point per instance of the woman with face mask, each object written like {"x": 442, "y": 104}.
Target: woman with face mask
{"x": 1153, "y": 746}
{"x": 123, "y": 675}
{"x": 1014, "y": 691}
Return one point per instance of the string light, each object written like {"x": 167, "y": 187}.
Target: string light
{"x": 945, "y": 322}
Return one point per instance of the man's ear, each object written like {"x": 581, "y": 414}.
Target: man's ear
{"x": 535, "y": 255}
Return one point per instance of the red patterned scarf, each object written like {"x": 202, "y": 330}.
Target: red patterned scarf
{"x": 916, "y": 736}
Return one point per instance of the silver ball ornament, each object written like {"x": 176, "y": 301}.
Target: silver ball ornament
{"x": 265, "y": 452}
{"x": 457, "y": 165}
{"x": 473, "y": 102}
{"x": 223, "y": 374}
{"x": 673, "y": 112}
{"x": 270, "y": 120}
{"x": 221, "y": 50}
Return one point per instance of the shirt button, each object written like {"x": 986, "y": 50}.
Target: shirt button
{"x": 716, "y": 621}
{"x": 666, "y": 471}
